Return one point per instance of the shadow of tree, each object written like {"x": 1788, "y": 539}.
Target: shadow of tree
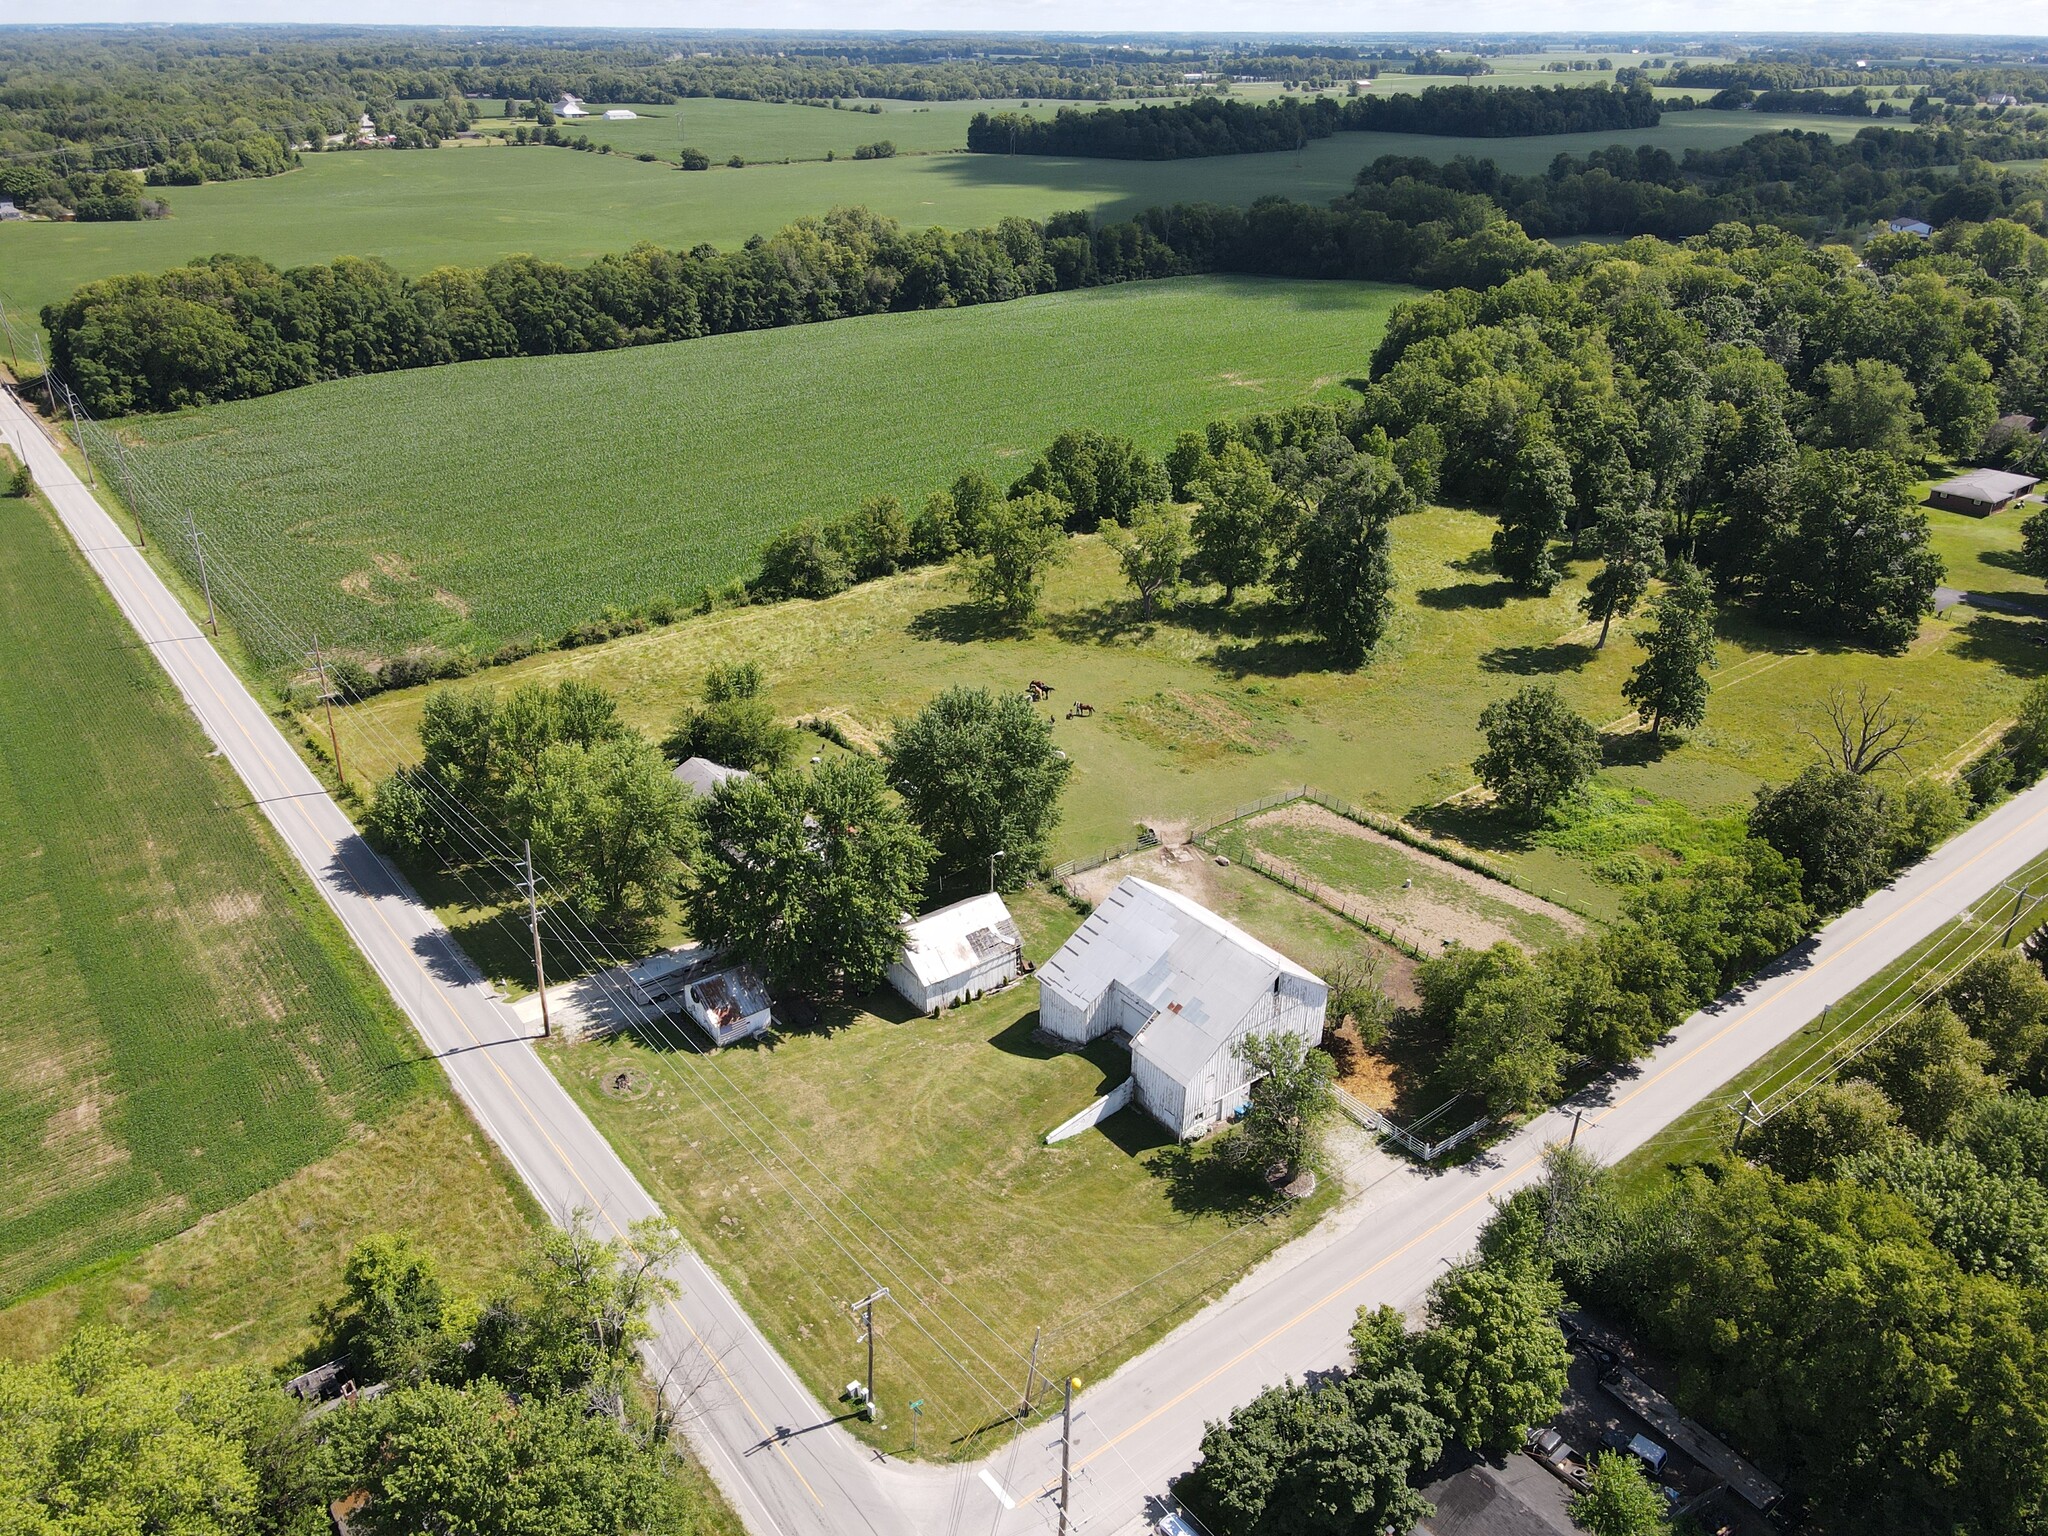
{"x": 1111, "y": 622}
{"x": 1201, "y": 1181}
{"x": 2006, "y": 560}
{"x": 1536, "y": 660}
{"x": 963, "y": 623}
{"x": 2020, "y": 646}
{"x": 1633, "y": 749}
{"x": 1466, "y": 594}
{"x": 1483, "y": 827}
{"x": 1273, "y": 657}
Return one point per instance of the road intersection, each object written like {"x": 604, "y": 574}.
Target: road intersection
{"x": 789, "y": 1469}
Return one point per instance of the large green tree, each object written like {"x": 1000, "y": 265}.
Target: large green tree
{"x": 1493, "y": 1354}
{"x": 1152, "y": 553}
{"x": 1292, "y": 1100}
{"x": 1669, "y": 685}
{"x": 1867, "y": 404}
{"x": 1503, "y": 1045}
{"x": 1619, "y": 1500}
{"x": 1101, "y": 477}
{"x": 1341, "y": 576}
{"x": 1016, "y": 543}
{"x": 609, "y": 821}
{"x": 1854, "y": 559}
{"x": 1538, "y": 754}
{"x": 807, "y": 876}
{"x": 981, "y": 776}
{"x": 1833, "y": 824}
{"x": 1629, "y": 540}
{"x": 1533, "y": 514}
{"x": 735, "y": 725}
{"x": 396, "y": 1320}
{"x": 1235, "y": 502}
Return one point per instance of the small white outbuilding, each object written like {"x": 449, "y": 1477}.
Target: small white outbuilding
{"x": 729, "y": 1004}
{"x": 620, "y": 115}
{"x": 701, "y": 776}
{"x": 1184, "y": 986}
{"x": 971, "y": 946}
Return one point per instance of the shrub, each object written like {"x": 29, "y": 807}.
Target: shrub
{"x": 696, "y": 160}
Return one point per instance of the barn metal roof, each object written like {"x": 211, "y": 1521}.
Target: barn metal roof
{"x": 1990, "y": 485}
{"x": 701, "y": 776}
{"x": 1201, "y": 975}
{"x": 957, "y": 939}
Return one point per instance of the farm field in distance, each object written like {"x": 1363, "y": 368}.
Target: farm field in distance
{"x": 467, "y": 503}
{"x": 187, "y": 1024}
{"x": 419, "y": 209}
{"x": 1106, "y": 1241}
{"x": 1211, "y": 708}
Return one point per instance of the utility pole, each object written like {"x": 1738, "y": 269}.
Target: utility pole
{"x": 205, "y": 585}
{"x": 866, "y": 1308}
{"x": 1067, "y": 1451}
{"x": 1577, "y": 1116}
{"x": 1742, "y": 1113}
{"x": 327, "y": 700}
{"x": 1030, "y": 1376}
{"x": 540, "y": 976}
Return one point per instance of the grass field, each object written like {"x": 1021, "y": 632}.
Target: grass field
{"x": 1213, "y": 708}
{"x": 421, "y": 209}
{"x": 186, "y": 1023}
{"x": 983, "y": 1233}
{"x": 486, "y": 500}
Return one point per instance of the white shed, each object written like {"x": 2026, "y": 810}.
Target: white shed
{"x": 701, "y": 776}
{"x": 1185, "y": 986}
{"x": 971, "y": 946}
{"x": 570, "y": 106}
{"x": 620, "y": 115}
{"x": 729, "y": 1005}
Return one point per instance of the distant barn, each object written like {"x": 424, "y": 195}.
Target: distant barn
{"x": 701, "y": 776}
{"x": 620, "y": 115}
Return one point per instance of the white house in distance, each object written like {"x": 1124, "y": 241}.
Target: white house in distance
{"x": 701, "y": 776}
{"x": 729, "y": 1004}
{"x": 569, "y": 106}
{"x": 1185, "y": 986}
{"x": 969, "y": 947}
{"x": 620, "y": 115}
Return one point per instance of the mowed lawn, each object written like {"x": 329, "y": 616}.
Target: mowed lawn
{"x": 423, "y": 209}
{"x": 185, "y": 1023}
{"x": 487, "y": 500}
{"x": 1213, "y": 708}
{"x": 890, "y": 1149}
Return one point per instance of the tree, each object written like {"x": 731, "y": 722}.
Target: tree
{"x": 1926, "y": 813}
{"x": 1016, "y": 544}
{"x": 1863, "y": 736}
{"x": 439, "y": 1458}
{"x": 1100, "y": 477}
{"x": 807, "y": 876}
{"x": 1822, "y": 1128}
{"x": 1358, "y": 996}
{"x": 1630, "y": 543}
{"x": 2002, "y": 1000}
{"x": 1669, "y": 685}
{"x": 1833, "y": 824}
{"x": 1234, "y": 501}
{"x": 92, "y": 1440}
{"x": 801, "y": 561}
{"x": 1151, "y": 553}
{"x": 1493, "y": 1354}
{"x": 1867, "y": 404}
{"x": 1854, "y": 558}
{"x": 395, "y": 1321}
{"x": 875, "y": 540}
{"x": 1538, "y": 753}
{"x": 1620, "y": 1500}
{"x": 1322, "y": 1461}
{"x": 735, "y": 725}
{"x": 1533, "y": 514}
{"x": 1960, "y": 404}
{"x": 1989, "y": 1223}
{"x": 1292, "y": 1097}
{"x": 1930, "y": 1067}
{"x": 610, "y": 821}
{"x": 1503, "y": 1044}
{"x": 980, "y": 776}
{"x": 1341, "y": 577}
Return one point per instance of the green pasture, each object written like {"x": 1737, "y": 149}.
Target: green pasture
{"x": 186, "y": 1022}
{"x": 1212, "y": 708}
{"x": 933, "y": 1129}
{"x": 487, "y": 500}
{"x": 426, "y": 208}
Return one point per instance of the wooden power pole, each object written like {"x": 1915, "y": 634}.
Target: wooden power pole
{"x": 327, "y": 701}
{"x": 1067, "y": 1451}
{"x": 540, "y": 975}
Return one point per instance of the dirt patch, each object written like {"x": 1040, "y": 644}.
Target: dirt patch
{"x": 1366, "y": 1075}
{"x": 451, "y": 602}
{"x": 393, "y": 567}
{"x": 362, "y": 585}
{"x": 1427, "y": 914}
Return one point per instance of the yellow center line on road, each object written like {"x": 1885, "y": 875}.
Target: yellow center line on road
{"x": 1486, "y": 1193}
{"x": 142, "y": 594}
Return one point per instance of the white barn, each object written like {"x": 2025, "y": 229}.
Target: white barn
{"x": 620, "y": 115}
{"x": 1184, "y": 986}
{"x": 729, "y": 1005}
{"x": 969, "y": 947}
{"x": 570, "y": 106}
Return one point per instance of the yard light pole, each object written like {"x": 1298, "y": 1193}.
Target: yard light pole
{"x": 998, "y": 854}
{"x": 866, "y": 1308}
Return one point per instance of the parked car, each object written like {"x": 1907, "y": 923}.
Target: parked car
{"x": 1642, "y": 1447}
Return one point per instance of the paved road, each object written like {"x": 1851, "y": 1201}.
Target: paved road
{"x": 773, "y": 1448}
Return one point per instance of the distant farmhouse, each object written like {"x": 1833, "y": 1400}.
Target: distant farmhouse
{"x": 1184, "y": 986}
{"x": 967, "y": 948}
{"x": 569, "y": 106}
{"x": 1918, "y": 227}
{"x": 1981, "y": 492}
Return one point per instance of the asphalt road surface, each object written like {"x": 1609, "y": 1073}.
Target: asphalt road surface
{"x": 774, "y": 1449}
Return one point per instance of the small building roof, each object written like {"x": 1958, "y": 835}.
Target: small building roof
{"x": 2016, "y": 422}
{"x": 1201, "y": 975}
{"x": 701, "y": 776}
{"x": 725, "y": 997}
{"x": 1918, "y": 227}
{"x": 957, "y": 939}
{"x": 1989, "y": 486}
{"x": 620, "y": 114}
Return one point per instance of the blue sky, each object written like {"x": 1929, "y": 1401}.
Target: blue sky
{"x": 1520, "y": 16}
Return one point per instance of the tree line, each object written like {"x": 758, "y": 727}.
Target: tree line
{"x": 512, "y": 1413}
{"x": 1806, "y": 182}
{"x": 1211, "y": 125}
{"x": 1963, "y": 82}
